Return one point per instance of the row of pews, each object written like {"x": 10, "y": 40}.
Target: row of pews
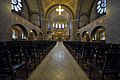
{"x": 22, "y": 56}
{"x": 101, "y": 61}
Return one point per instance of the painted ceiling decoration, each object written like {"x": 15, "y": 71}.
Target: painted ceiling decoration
{"x": 72, "y": 4}
{"x": 71, "y": 7}
{"x": 52, "y": 11}
{"x": 47, "y": 8}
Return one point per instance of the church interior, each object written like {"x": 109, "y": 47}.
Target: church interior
{"x": 59, "y": 40}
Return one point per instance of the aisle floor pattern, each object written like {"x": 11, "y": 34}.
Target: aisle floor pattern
{"x": 58, "y": 65}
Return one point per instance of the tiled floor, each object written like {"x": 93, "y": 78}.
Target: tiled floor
{"x": 58, "y": 65}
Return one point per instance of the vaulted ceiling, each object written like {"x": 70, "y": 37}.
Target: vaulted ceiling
{"x": 73, "y": 7}
{"x": 32, "y": 5}
{"x": 72, "y": 4}
{"x": 86, "y": 7}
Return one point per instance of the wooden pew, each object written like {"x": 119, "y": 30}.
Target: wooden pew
{"x": 8, "y": 66}
{"x": 25, "y": 51}
{"x": 107, "y": 62}
{"x": 94, "y": 55}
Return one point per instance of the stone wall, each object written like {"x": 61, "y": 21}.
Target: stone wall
{"x": 25, "y": 11}
{"x": 9, "y": 18}
{"x": 111, "y": 21}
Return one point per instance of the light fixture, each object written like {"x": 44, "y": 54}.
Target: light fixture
{"x": 31, "y": 31}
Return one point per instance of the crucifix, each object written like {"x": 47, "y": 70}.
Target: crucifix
{"x": 60, "y": 10}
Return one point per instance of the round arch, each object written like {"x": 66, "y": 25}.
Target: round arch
{"x": 19, "y": 32}
{"x": 85, "y": 36}
{"x": 55, "y": 5}
{"x": 35, "y": 18}
{"x": 40, "y": 36}
{"x": 33, "y": 35}
{"x": 98, "y": 34}
{"x": 78, "y": 37}
{"x": 85, "y": 14}
{"x": 83, "y": 20}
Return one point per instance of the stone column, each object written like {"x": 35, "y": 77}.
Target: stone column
{"x": 74, "y": 29}
{"x": 44, "y": 27}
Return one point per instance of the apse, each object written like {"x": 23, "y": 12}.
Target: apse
{"x": 59, "y": 23}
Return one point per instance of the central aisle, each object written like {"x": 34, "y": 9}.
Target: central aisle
{"x": 58, "y": 65}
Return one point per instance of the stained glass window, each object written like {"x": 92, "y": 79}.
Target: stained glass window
{"x": 101, "y": 6}
{"x": 16, "y": 5}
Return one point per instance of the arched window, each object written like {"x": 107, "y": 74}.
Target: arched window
{"x": 85, "y": 36}
{"x": 102, "y": 35}
{"x": 56, "y": 25}
{"x": 53, "y": 25}
{"x": 14, "y": 34}
{"x": 33, "y": 35}
{"x": 60, "y": 26}
{"x": 98, "y": 34}
{"x": 19, "y": 32}
{"x": 63, "y": 26}
{"x": 94, "y": 37}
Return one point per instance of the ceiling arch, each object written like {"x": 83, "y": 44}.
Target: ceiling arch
{"x": 33, "y": 6}
{"x": 60, "y": 1}
{"x": 86, "y": 7}
{"x": 71, "y": 4}
{"x": 74, "y": 8}
{"x": 52, "y": 8}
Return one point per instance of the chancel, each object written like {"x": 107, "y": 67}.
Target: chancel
{"x": 59, "y": 40}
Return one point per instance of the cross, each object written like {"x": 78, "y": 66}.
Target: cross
{"x": 60, "y": 10}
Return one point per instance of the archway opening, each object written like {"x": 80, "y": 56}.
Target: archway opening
{"x": 40, "y": 36}
{"x": 85, "y": 36}
{"x": 98, "y": 34}
{"x": 33, "y": 35}
{"x": 83, "y": 20}
{"x": 19, "y": 32}
{"x": 78, "y": 37}
{"x": 59, "y": 25}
